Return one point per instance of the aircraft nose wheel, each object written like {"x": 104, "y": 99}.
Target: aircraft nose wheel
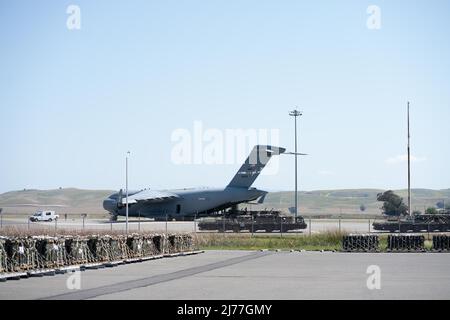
{"x": 113, "y": 218}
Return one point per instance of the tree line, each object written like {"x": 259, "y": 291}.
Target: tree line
{"x": 393, "y": 205}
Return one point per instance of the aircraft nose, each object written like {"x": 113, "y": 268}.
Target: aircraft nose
{"x": 110, "y": 205}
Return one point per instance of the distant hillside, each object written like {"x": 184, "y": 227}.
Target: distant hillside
{"x": 322, "y": 202}
{"x": 75, "y": 200}
{"x": 349, "y": 201}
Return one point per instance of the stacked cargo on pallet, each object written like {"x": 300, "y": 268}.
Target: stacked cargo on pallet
{"x": 35, "y": 254}
{"x": 159, "y": 243}
{"x": 78, "y": 250}
{"x": 119, "y": 249}
{"x": 360, "y": 243}
{"x": 441, "y": 242}
{"x": 104, "y": 248}
{"x": 22, "y": 254}
{"x": 148, "y": 245}
{"x": 3, "y": 256}
{"x": 406, "y": 242}
{"x": 52, "y": 250}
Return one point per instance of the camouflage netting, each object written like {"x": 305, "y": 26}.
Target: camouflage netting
{"x": 100, "y": 248}
{"x": 179, "y": 243}
{"x": 78, "y": 251}
{"x": 150, "y": 244}
{"x": 52, "y": 250}
{"x": 159, "y": 241}
{"x": 21, "y": 254}
{"x": 118, "y": 248}
{"x": 144, "y": 245}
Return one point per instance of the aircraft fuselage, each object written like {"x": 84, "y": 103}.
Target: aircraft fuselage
{"x": 179, "y": 204}
{"x": 191, "y": 202}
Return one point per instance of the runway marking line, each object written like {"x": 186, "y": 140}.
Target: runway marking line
{"x": 149, "y": 281}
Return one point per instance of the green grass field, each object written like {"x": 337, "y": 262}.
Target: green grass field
{"x": 329, "y": 241}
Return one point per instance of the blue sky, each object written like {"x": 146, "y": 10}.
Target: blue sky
{"x": 72, "y": 102}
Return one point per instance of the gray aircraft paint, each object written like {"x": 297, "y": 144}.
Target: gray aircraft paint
{"x": 182, "y": 203}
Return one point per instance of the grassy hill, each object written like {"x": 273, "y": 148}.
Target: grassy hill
{"x": 334, "y": 202}
{"x": 73, "y": 200}
{"x": 322, "y": 202}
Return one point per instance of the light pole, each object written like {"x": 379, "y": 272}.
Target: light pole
{"x": 295, "y": 113}
{"x": 409, "y": 168}
{"x": 126, "y": 195}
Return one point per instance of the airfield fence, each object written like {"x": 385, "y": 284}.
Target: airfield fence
{"x": 138, "y": 225}
{"x": 34, "y": 253}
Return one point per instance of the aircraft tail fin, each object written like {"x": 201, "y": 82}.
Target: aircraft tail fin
{"x": 256, "y": 161}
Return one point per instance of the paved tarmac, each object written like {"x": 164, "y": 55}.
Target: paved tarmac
{"x": 252, "y": 275}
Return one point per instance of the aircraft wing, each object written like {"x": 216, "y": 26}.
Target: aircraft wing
{"x": 150, "y": 196}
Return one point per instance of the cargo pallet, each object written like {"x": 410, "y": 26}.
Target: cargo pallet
{"x": 360, "y": 243}
{"x": 395, "y": 243}
{"x": 38, "y": 256}
{"x": 89, "y": 266}
{"x": 405, "y": 243}
{"x": 441, "y": 243}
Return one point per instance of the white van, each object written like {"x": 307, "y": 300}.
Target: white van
{"x": 44, "y": 216}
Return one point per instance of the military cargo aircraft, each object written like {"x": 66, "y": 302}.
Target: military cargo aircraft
{"x": 186, "y": 204}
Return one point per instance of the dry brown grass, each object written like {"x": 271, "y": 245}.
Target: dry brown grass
{"x": 17, "y": 231}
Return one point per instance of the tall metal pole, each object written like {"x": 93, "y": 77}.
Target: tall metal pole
{"x": 126, "y": 183}
{"x": 295, "y": 113}
{"x": 409, "y": 168}
{"x": 296, "y": 177}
